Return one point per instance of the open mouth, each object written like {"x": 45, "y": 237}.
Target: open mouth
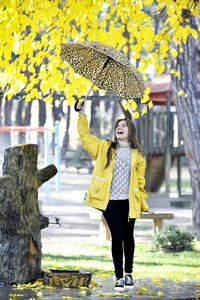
{"x": 120, "y": 132}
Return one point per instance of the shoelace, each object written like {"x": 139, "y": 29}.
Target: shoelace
{"x": 129, "y": 280}
{"x": 120, "y": 281}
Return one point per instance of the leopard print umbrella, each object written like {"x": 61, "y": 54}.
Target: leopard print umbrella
{"x": 105, "y": 66}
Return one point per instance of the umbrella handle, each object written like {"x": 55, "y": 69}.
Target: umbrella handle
{"x": 76, "y": 104}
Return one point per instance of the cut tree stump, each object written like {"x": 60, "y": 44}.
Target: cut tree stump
{"x": 20, "y": 218}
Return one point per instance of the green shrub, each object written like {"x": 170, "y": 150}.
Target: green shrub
{"x": 172, "y": 239}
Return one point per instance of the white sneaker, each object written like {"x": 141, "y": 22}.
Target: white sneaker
{"x": 128, "y": 282}
{"x": 119, "y": 286}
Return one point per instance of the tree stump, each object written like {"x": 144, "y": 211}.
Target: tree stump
{"x": 20, "y": 218}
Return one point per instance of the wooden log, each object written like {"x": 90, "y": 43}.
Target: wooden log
{"x": 20, "y": 218}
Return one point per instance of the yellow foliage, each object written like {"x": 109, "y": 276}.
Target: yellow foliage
{"x": 78, "y": 20}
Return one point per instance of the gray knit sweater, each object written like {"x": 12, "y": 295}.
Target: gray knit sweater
{"x": 121, "y": 172}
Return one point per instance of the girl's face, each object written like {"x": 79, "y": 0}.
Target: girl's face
{"x": 121, "y": 131}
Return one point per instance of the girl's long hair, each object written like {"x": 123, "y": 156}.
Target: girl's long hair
{"x": 132, "y": 139}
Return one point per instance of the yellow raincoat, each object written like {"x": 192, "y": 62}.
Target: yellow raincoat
{"x": 99, "y": 191}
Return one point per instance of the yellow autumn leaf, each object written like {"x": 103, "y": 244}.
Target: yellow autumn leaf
{"x": 174, "y": 52}
{"x": 145, "y": 98}
{"x": 160, "y": 293}
{"x": 152, "y": 293}
{"x": 143, "y": 112}
{"x": 94, "y": 283}
{"x": 125, "y": 49}
{"x": 144, "y": 76}
{"x": 39, "y": 294}
{"x": 144, "y": 289}
{"x": 136, "y": 56}
{"x": 139, "y": 292}
{"x": 133, "y": 106}
{"x": 136, "y": 115}
{"x": 104, "y": 275}
{"x": 48, "y": 287}
{"x": 177, "y": 74}
{"x": 126, "y": 106}
{"x": 66, "y": 298}
{"x": 147, "y": 91}
{"x": 148, "y": 2}
{"x": 180, "y": 93}
{"x": 198, "y": 284}
{"x": 150, "y": 104}
{"x": 83, "y": 292}
{"x": 15, "y": 295}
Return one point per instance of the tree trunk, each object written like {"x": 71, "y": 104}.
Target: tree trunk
{"x": 65, "y": 145}
{"x": 42, "y": 121}
{"x": 95, "y": 117}
{"x": 20, "y": 121}
{"x": 188, "y": 109}
{"x": 1, "y": 123}
{"x": 27, "y": 119}
{"x": 7, "y": 121}
{"x": 21, "y": 221}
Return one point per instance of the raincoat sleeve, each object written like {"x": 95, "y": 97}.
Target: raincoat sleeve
{"x": 90, "y": 142}
{"x": 141, "y": 165}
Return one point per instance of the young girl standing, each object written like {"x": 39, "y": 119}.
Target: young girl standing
{"x": 117, "y": 189}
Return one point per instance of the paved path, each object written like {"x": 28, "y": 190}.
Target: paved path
{"x": 145, "y": 288}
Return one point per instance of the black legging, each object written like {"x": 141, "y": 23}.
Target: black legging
{"x": 121, "y": 229}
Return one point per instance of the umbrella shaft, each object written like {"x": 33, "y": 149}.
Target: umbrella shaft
{"x": 105, "y": 64}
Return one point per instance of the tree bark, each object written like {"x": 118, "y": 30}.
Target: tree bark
{"x": 95, "y": 117}
{"x": 66, "y": 139}
{"x": 20, "y": 121}
{"x": 1, "y": 123}
{"x": 42, "y": 121}
{"x": 188, "y": 109}
{"x": 21, "y": 221}
{"x": 27, "y": 119}
{"x": 7, "y": 121}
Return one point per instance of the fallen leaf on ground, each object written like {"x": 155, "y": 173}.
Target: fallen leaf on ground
{"x": 83, "y": 292}
{"x": 139, "y": 292}
{"x": 104, "y": 275}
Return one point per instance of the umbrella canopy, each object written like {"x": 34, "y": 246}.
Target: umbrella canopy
{"x": 106, "y": 67}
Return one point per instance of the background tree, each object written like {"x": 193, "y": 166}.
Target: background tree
{"x": 187, "y": 102}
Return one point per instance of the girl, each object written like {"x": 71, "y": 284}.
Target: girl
{"x": 117, "y": 189}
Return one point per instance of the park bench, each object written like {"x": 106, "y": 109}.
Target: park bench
{"x": 157, "y": 222}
